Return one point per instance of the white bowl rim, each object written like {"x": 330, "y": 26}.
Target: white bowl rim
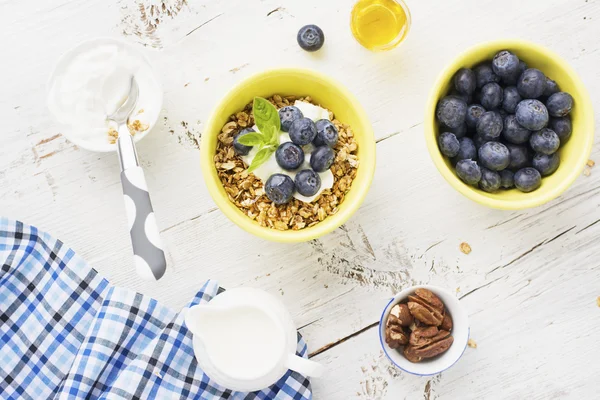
{"x": 401, "y": 295}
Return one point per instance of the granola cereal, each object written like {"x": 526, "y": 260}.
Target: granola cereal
{"x": 246, "y": 190}
{"x": 134, "y": 127}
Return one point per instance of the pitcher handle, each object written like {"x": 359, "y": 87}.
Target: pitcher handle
{"x": 304, "y": 366}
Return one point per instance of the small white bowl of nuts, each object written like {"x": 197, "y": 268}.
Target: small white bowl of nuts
{"x": 424, "y": 330}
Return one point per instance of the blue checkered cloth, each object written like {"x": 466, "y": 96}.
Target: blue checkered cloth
{"x": 67, "y": 333}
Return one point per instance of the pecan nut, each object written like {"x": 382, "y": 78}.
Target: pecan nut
{"x": 400, "y": 315}
{"x": 395, "y": 336}
{"x": 434, "y": 349}
{"x": 427, "y": 315}
{"x": 420, "y": 336}
{"x": 409, "y": 353}
{"x": 430, "y": 299}
{"x": 447, "y": 323}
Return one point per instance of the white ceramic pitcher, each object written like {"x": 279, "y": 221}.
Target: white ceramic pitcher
{"x": 245, "y": 340}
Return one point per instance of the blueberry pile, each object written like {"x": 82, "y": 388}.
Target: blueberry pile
{"x": 503, "y": 123}
{"x": 323, "y": 135}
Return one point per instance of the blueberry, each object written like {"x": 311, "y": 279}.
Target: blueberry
{"x": 562, "y": 127}
{"x": 513, "y": 131}
{"x": 510, "y": 99}
{"x": 544, "y": 141}
{"x": 489, "y": 125}
{"x": 528, "y": 179}
{"x": 303, "y": 131}
{"x": 474, "y": 111}
{"x": 449, "y": 144}
{"x": 239, "y": 148}
{"x": 279, "y": 188}
{"x": 289, "y": 156}
{"x": 310, "y": 38}
{"x": 519, "y": 156}
{"x": 467, "y": 98}
{"x": 512, "y": 80}
{"x": 465, "y": 81}
{"x": 451, "y": 111}
{"x": 505, "y": 64}
{"x": 480, "y": 141}
{"x": 484, "y": 74}
{"x": 491, "y": 96}
{"x": 531, "y": 84}
{"x": 507, "y": 179}
{"x": 308, "y": 182}
{"x": 559, "y": 104}
{"x": 322, "y": 158}
{"x": 522, "y": 67}
{"x": 459, "y": 132}
{"x": 494, "y": 156}
{"x": 490, "y": 180}
{"x": 327, "y": 133}
{"x": 468, "y": 171}
{"x": 287, "y": 115}
{"x": 546, "y": 164}
{"x": 466, "y": 150}
{"x": 551, "y": 87}
{"x": 532, "y": 114}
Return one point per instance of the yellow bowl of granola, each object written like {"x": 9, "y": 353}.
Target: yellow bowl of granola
{"x": 240, "y": 195}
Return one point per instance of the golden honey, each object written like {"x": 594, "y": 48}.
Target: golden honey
{"x": 380, "y": 24}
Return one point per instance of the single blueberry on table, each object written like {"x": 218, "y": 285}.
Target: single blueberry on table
{"x": 559, "y": 104}
{"x": 532, "y": 114}
{"x": 466, "y": 150}
{"x": 451, "y": 111}
{"x": 448, "y": 144}
{"x": 279, "y": 188}
{"x": 490, "y": 125}
{"x": 505, "y": 64}
{"x": 239, "y": 148}
{"x": 551, "y": 87}
{"x": 310, "y": 38}
{"x": 528, "y": 179}
{"x": 544, "y": 141}
{"x": 484, "y": 74}
{"x": 490, "y": 180}
{"x": 562, "y": 127}
{"x": 546, "y": 164}
{"x": 519, "y": 156}
{"x": 308, "y": 182}
{"x": 494, "y": 156}
{"x": 287, "y": 115}
{"x": 474, "y": 111}
{"x": 531, "y": 83}
{"x": 507, "y": 179}
{"x": 511, "y": 98}
{"x": 303, "y": 131}
{"x": 327, "y": 133}
{"x": 289, "y": 156}
{"x": 468, "y": 171}
{"x": 465, "y": 81}
{"x": 491, "y": 96}
{"x": 322, "y": 158}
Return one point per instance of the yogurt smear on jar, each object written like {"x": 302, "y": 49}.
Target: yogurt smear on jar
{"x": 270, "y": 167}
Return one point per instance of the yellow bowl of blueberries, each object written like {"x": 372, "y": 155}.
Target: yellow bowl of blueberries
{"x": 509, "y": 124}
{"x": 288, "y": 154}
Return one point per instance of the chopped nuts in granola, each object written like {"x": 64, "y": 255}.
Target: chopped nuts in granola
{"x": 137, "y": 126}
{"x": 472, "y": 343}
{"x": 591, "y": 163}
{"x": 465, "y": 248}
{"x": 113, "y": 135}
{"x": 246, "y": 190}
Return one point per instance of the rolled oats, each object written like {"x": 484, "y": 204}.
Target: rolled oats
{"x": 247, "y": 192}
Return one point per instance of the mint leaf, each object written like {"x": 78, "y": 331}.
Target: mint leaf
{"x": 252, "y": 139}
{"x": 260, "y": 157}
{"x": 266, "y": 118}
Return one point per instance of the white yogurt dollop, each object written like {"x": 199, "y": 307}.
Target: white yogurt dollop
{"x": 91, "y": 82}
{"x": 271, "y": 167}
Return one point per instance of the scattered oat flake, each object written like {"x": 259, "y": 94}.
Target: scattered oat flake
{"x": 591, "y": 163}
{"x": 598, "y": 301}
{"x": 236, "y": 69}
{"x": 471, "y": 343}
{"x": 465, "y": 248}
{"x": 206, "y": 79}
{"x": 587, "y": 172}
{"x": 458, "y": 289}
{"x": 140, "y": 111}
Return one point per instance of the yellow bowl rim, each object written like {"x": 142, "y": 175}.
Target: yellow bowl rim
{"x": 346, "y": 210}
{"x": 473, "y": 194}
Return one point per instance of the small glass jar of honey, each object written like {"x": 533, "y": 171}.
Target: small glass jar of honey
{"x": 380, "y": 25}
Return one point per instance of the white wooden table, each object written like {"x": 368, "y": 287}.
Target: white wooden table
{"x": 530, "y": 285}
